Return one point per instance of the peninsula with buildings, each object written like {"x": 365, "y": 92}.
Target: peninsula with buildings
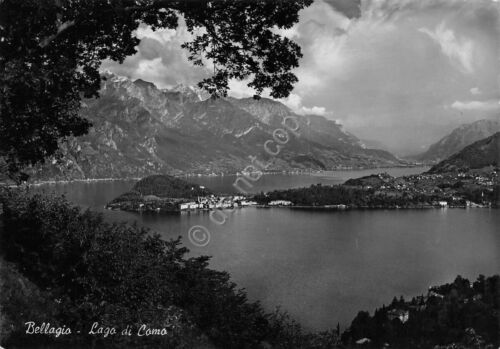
{"x": 164, "y": 193}
{"x": 468, "y": 178}
{"x": 461, "y": 189}
{"x": 478, "y": 188}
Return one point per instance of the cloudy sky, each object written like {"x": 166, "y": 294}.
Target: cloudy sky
{"x": 400, "y": 72}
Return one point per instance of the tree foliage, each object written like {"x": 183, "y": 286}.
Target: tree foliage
{"x": 456, "y": 315}
{"x": 51, "y": 50}
{"x": 170, "y": 187}
{"x": 87, "y": 270}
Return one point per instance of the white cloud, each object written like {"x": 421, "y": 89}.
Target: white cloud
{"x": 239, "y": 89}
{"x": 294, "y": 102}
{"x": 475, "y": 91}
{"x": 162, "y": 35}
{"x": 458, "y": 50}
{"x": 388, "y": 71}
{"x": 160, "y": 59}
{"x": 476, "y": 105}
{"x": 385, "y": 73}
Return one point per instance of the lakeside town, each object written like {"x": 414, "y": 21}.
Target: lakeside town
{"x": 472, "y": 188}
{"x": 477, "y": 188}
{"x": 152, "y": 203}
{"x": 453, "y": 189}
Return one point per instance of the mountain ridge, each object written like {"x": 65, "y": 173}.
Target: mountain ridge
{"x": 139, "y": 130}
{"x": 458, "y": 139}
{"x": 483, "y": 153}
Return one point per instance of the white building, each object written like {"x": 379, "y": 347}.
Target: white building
{"x": 188, "y": 205}
{"x": 280, "y": 203}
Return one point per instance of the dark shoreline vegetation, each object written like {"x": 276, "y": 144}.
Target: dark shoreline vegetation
{"x": 68, "y": 267}
{"x": 461, "y": 188}
{"x": 384, "y": 191}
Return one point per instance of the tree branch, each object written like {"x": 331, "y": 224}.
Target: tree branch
{"x": 134, "y": 6}
{"x": 60, "y": 29}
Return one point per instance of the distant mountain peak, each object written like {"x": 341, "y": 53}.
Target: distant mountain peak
{"x": 190, "y": 90}
{"x": 483, "y": 153}
{"x": 459, "y": 138}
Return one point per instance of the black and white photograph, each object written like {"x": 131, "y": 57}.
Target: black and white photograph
{"x": 249, "y": 174}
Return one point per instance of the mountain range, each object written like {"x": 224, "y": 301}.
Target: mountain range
{"x": 458, "y": 139}
{"x": 139, "y": 129}
{"x": 483, "y": 153}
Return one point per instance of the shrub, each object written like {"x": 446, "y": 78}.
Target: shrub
{"x": 115, "y": 274}
{"x": 120, "y": 274}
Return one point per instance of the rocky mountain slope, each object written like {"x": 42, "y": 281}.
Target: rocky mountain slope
{"x": 459, "y": 138}
{"x": 139, "y": 129}
{"x": 483, "y": 153}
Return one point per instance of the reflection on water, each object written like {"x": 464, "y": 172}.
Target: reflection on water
{"x": 324, "y": 266}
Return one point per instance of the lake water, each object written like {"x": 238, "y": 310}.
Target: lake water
{"x": 324, "y": 266}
